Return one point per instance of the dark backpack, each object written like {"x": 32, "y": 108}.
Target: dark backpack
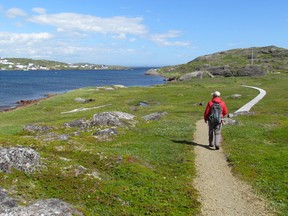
{"x": 216, "y": 114}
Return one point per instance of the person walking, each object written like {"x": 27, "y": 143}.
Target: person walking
{"x": 215, "y": 110}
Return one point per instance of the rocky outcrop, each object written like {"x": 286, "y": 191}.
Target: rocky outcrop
{"x": 49, "y": 207}
{"x": 20, "y": 158}
{"x": 112, "y": 119}
{"x": 152, "y": 72}
{"x": 254, "y": 61}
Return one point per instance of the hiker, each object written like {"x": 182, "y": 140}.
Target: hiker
{"x": 215, "y": 119}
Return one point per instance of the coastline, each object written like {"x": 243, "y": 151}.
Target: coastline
{"x": 24, "y": 103}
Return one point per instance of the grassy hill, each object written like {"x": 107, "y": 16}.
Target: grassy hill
{"x": 235, "y": 62}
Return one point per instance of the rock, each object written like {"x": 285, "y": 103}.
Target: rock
{"x": 81, "y": 123}
{"x": 37, "y": 128}
{"x": 153, "y": 72}
{"x": 20, "y": 158}
{"x": 170, "y": 79}
{"x": 118, "y": 86}
{"x": 5, "y": 201}
{"x": 189, "y": 76}
{"x": 27, "y": 102}
{"x": 235, "y": 96}
{"x": 250, "y": 70}
{"x": 229, "y": 121}
{"x": 106, "y": 132}
{"x": 200, "y": 104}
{"x": 220, "y": 71}
{"x": 49, "y": 207}
{"x": 81, "y": 100}
{"x": 154, "y": 116}
{"x": 63, "y": 137}
{"x": 79, "y": 170}
{"x": 104, "y": 88}
{"x": 111, "y": 119}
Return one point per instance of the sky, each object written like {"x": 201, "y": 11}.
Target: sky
{"x": 137, "y": 33}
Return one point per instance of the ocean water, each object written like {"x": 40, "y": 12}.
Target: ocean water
{"x": 28, "y": 85}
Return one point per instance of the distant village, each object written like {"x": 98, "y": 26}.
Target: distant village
{"x": 5, "y": 64}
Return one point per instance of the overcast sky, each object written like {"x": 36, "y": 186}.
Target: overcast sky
{"x": 137, "y": 33}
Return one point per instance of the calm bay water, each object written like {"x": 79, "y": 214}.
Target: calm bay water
{"x": 28, "y": 85}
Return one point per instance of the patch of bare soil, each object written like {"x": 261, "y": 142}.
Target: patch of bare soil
{"x": 221, "y": 194}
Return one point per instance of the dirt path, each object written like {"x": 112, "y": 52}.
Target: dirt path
{"x": 221, "y": 194}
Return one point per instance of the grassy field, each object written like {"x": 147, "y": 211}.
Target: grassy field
{"x": 257, "y": 148}
{"x": 149, "y": 168}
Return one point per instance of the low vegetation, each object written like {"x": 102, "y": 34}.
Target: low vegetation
{"x": 149, "y": 168}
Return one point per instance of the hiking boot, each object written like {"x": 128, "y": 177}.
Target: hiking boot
{"x": 217, "y": 147}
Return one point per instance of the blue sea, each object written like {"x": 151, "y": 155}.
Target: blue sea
{"x": 28, "y": 85}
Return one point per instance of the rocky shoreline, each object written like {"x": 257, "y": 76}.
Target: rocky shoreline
{"x": 23, "y": 103}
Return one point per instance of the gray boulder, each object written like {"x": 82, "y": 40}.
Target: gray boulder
{"x": 49, "y": 207}
{"x": 36, "y": 128}
{"x": 112, "y": 119}
{"x": 189, "y": 76}
{"x": 250, "y": 70}
{"x": 220, "y": 71}
{"x": 155, "y": 116}
{"x": 81, "y": 123}
{"x": 235, "y": 96}
{"x": 106, "y": 132}
{"x": 6, "y": 202}
{"x": 20, "y": 158}
{"x": 82, "y": 100}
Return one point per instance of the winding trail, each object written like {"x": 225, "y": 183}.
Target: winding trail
{"x": 222, "y": 194}
{"x": 250, "y": 104}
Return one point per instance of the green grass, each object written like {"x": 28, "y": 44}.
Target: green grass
{"x": 257, "y": 147}
{"x": 149, "y": 168}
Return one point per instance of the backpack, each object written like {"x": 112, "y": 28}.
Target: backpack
{"x": 216, "y": 114}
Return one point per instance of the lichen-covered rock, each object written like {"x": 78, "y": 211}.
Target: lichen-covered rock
{"x": 106, "y": 132}
{"x": 155, "y": 116}
{"x": 81, "y": 123}
{"x": 6, "y": 202}
{"x": 112, "y": 119}
{"x": 20, "y": 158}
{"x": 49, "y": 207}
{"x": 36, "y": 128}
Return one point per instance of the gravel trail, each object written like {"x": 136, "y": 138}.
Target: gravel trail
{"x": 222, "y": 194}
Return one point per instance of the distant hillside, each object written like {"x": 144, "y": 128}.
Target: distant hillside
{"x": 32, "y": 64}
{"x": 254, "y": 61}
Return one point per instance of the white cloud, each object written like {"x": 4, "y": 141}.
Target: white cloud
{"x": 23, "y": 38}
{"x": 15, "y": 12}
{"x": 86, "y": 23}
{"x": 39, "y": 10}
{"x": 76, "y": 37}
{"x": 163, "y": 39}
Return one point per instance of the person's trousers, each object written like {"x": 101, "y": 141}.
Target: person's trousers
{"x": 215, "y": 135}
